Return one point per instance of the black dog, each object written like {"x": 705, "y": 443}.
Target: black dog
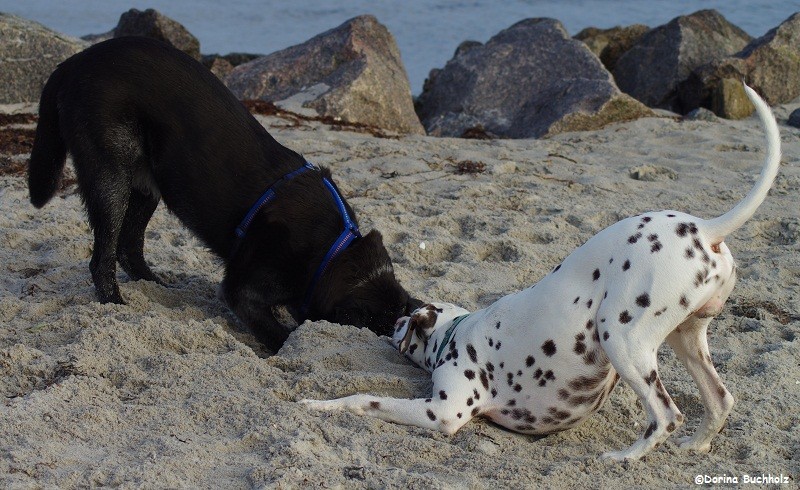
{"x": 144, "y": 121}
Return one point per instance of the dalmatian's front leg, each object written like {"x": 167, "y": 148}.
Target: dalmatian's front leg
{"x": 435, "y": 414}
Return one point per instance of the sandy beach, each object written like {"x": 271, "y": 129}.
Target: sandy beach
{"x": 170, "y": 391}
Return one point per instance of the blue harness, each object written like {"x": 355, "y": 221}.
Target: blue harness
{"x": 347, "y": 236}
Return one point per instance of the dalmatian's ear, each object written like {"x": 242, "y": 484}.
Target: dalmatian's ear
{"x": 422, "y": 323}
{"x": 411, "y": 327}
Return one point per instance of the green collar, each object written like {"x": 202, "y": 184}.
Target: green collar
{"x": 447, "y": 335}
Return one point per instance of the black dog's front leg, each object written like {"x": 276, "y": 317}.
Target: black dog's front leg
{"x": 261, "y": 312}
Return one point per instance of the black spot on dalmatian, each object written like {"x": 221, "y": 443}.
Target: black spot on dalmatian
{"x": 649, "y": 432}
{"x": 660, "y": 312}
{"x": 684, "y": 302}
{"x": 512, "y": 403}
{"x": 655, "y": 247}
{"x": 529, "y": 361}
{"x": 412, "y": 348}
{"x": 473, "y": 355}
{"x": 634, "y": 238}
{"x": 491, "y": 343}
{"x": 605, "y": 335}
{"x": 625, "y": 317}
{"x": 563, "y": 394}
{"x": 589, "y": 325}
{"x": 549, "y": 348}
{"x": 652, "y": 378}
{"x": 542, "y": 382}
{"x": 474, "y": 411}
{"x": 538, "y": 373}
{"x": 611, "y": 260}
{"x": 375, "y": 405}
{"x": 643, "y": 300}
{"x": 626, "y": 265}
{"x": 682, "y": 229}
{"x": 519, "y": 372}
{"x": 427, "y": 400}
{"x": 576, "y": 300}
{"x": 510, "y": 379}
{"x": 652, "y": 238}
{"x": 549, "y": 375}
{"x": 470, "y": 402}
{"x": 689, "y": 253}
{"x": 670, "y": 216}
{"x": 502, "y": 365}
{"x": 431, "y": 415}
{"x": 458, "y": 415}
{"x": 589, "y": 304}
{"x": 443, "y": 395}
{"x": 490, "y": 367}
{"x": 518, "y": 388}
{"x": 580, "y": 347}
{"x": 484, "y": 380}
{"x": 596, "y": 274}
{"x": 469, "y": 374}
{"x": 497, "y": 345}
{"x": 494, "y": 392}
{"x": 497, "y": 326}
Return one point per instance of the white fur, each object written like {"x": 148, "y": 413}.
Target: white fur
{"x": 544, "y": 359}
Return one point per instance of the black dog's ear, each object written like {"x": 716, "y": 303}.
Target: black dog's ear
{"x": 412, "y": 305}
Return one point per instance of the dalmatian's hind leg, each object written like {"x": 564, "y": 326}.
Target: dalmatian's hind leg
{"x": 636, "y": 363}
{"x": 690, "y": 344}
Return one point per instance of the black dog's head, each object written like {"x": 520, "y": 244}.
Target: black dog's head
{"x": 360, "y": 289}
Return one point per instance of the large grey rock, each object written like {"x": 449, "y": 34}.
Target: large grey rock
{"x": 29, "y": 52}
{"x": 794, "y": 119}
{"x": 353, "y": 72}
{"x": 652, "y": 69}
{"x": 154, "y": 24}
{"x": 530, "y": 80}
{"x": 610, "y": 44}
{"x": 769, "y": 64}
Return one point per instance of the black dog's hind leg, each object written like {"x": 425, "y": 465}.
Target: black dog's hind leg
{"x": 104, "y": 180}
{"x": 130, "y": 247}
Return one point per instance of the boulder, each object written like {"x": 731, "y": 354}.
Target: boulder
{"x": 794, "y": 119}
{"x": 769, "y": 64}
{"x": 29, "y": 52}
{"x": 222, "y": 65}
{"x": 666, "y": 55}
{"x": 154, "y": 24}
{"x": 353, "y": 72}
{"x": 610, "y": 44}
{"x": 530, "y": 80}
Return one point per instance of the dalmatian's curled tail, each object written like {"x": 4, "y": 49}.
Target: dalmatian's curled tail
{"x": 718, "y": 228}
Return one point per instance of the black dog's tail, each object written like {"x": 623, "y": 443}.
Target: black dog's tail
{"x": 49, "y": 151}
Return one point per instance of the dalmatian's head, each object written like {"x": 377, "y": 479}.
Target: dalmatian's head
{"x": 411, "y": 333}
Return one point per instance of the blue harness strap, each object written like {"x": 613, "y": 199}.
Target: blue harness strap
{"x": 268, "y": 196}
{"x": 344, "y": 240}
{"x": 347, "y": 236}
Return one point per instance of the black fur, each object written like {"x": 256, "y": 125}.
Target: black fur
{"x": 143, "y": 121}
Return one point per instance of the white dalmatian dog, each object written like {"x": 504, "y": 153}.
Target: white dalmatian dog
{"x": 544, "y": 359}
